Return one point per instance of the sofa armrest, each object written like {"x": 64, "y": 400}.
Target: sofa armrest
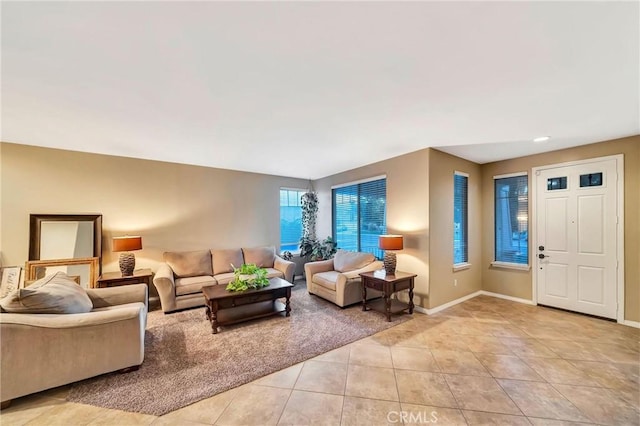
{"x": 286, "y": 267}
{"x": 166, "y": 286}
{"x": 312, "y": 268}
{"x": 373, "y": 266}
{"x": 111, "y": 296}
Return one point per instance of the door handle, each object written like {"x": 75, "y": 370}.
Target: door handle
{"x": 542, "y": 256}
{"x": 541, "y": 248}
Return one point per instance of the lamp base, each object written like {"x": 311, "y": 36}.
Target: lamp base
{"x": 389, "y": 262}
{"x": 127, "y": 264}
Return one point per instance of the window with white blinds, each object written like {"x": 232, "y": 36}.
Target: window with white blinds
{"x": 512, "y": 219}
{"x": 290, "y": 218}
{"x": 460, "y": 218}
{"x": 360, "y": 215}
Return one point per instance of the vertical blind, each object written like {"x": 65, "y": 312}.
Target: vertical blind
{"x": 512, "y": 219}
{"x": 460, "y": 219}
{"x": 360, "y": 216}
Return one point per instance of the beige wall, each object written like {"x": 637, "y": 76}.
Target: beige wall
{"x": 407, "y": 210}
{"x": 441, "y": 170}
{"x": 519, "y": 283}
{"x": 172, "y": 206}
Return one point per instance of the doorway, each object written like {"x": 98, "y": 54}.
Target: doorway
{"x": 578, "y": 246}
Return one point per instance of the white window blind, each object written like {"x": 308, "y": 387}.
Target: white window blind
{"x": 290, "y": 218}
{"x": 460, "y": 219}
{"x": 359, "y": 215}
{"x": 512, "y": 219}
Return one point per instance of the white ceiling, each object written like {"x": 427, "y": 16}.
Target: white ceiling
{"x": 309, "y": 89}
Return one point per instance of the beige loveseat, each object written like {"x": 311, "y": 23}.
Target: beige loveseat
{"x": 180, "y": 279}
{"x": 338, "y": 279}
{"x": 43, "y": 351}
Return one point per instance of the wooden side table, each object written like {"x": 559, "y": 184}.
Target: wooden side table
{"x": 387, "y": 284}
{"x": 113, "y": 279}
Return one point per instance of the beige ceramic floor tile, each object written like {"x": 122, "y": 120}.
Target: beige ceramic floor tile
{"x": 441, "y": 341}
{"x": 365, "y": 412}
{"x": 549, "y": 422}
{"x": 310, "y": 408}
{"x": 371, "y": 382}
{"x": 528, "y": 347}
{"x": 541, "y": 400}
{"x": 22, "y": 410}
{"x": 206, "y": 411}
{"x": 424, "y": 388}
{"x": 68, "y": 413}
{"x": 611, "y": 375}
{"x": 164, "y": 421}
{"x": 508, "y": 367}
{"x": 413, "y": 359}
{"x": 486, "y": 344}
{"x": 285, "y": 379}
{"x": 555, "y": 370}
{"x": 370, "y": 355}
{"x": 319, "y": 376}
{"x": 414, "y": 415}
{"x": 340, "y": 355}
{"x": 255, "y": 405}
{"x": 600, "y": 405}
{"x": 481, "y": 394}
{"x": 483, "y": 419}
{"x": 459, "y": 362}
{"x": 115, "y": 417}
{"x": 571, "y": 350}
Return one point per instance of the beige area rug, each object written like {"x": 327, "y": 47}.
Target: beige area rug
{"x": 185, "y": 363}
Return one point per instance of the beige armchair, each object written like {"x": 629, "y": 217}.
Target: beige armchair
{"x": 43, "y": 351}
{"x": 338, "y": 279}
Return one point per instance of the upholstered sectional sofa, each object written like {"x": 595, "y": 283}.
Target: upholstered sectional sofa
{"x": 338, "y": 279}
{"x": 49, "y": 339}
{"x": 180, "y": 279}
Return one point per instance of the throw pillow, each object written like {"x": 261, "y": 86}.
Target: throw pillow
{"x": 223, "y": 259}
{"x": 53, "y": 294}
{"x": 345, "y": 261}
{"x": 189, "y": 263}
{"x": 263, "y": 257}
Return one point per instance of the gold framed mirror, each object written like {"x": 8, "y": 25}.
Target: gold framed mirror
{"x": 86, "y": 268}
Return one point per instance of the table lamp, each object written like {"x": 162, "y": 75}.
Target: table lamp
{"x": 389, "y": 243}
{"x": 126, "y": 245}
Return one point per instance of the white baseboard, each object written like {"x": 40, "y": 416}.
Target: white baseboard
{"x": 634, "y": 324}
{"x": 450, "y": 304}
{"x": 504, "y": 296}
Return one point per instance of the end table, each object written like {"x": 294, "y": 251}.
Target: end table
{"x": 387, "y": 284}
{"x": 113, "y": 279}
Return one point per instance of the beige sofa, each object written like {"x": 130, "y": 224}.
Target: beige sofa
{"x": 180, "y": 279}
{"x": 338, "y": 279}
{"x": 43, "y": 351}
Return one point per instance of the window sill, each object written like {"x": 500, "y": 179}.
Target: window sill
{"x": 508, "y": 265}
{"x": 461, "y": 266}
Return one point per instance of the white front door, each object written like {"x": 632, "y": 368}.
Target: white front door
{"x": 576, "y": 241}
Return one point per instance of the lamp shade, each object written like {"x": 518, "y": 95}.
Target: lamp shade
{"x": 127, "y": 243}
{"x": 390, "y": 242}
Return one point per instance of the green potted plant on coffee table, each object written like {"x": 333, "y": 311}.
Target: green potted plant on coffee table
{"x": 248, "y": 276}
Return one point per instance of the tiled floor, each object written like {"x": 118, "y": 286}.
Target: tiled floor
{"x": 486, "y": 361}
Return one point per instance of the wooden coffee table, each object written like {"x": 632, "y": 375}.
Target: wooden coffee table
{"x": 230, "y": 307}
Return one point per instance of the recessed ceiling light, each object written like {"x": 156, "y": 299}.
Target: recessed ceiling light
{"x": 542, "y": 139}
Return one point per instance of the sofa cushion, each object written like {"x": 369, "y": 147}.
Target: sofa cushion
{"x": 190, "y": 285}
{"x": 224, "y": 278}
{"x": 189, "y": 263}
{"x": 263, "y": 257}
{"x": 327, "y": 279}
{"x": 274, "y": 273}
{"x": 345, "y": 261}
{"x": 223, "y": 259}
{"x": 53, "y": 294}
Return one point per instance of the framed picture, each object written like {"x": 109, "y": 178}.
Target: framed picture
{"x": 86, "y": 268}
{"x": 10, "y": 279}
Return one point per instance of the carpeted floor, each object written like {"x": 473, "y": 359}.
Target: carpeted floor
{"x": 185, "y": 362}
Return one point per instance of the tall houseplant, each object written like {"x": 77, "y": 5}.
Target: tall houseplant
{"x": 310, "y": 247}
